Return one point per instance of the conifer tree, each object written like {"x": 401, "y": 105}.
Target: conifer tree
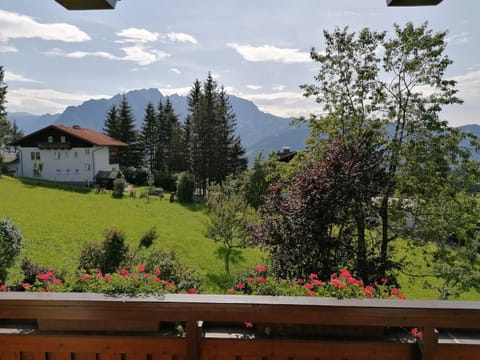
{"x": 130, "y": 156}
{"x": 111, "y": 125}
{"x": 149, "y": 137}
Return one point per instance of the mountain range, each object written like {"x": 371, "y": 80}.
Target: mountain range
{"x": 259, "y": 131}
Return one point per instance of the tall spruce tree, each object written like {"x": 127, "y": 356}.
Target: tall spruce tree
{"x": 111, "y": 125}
{"x": 4, "y": 123}
{"x": 149, "y": 137}
{"x": 130, "y": 156}
{"x": 214, "y": 150}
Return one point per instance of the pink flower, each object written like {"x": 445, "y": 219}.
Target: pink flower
{"x": 57, "y": 281}
{"x": 192, "y": 291}
{"x": 124, "y": 272}
{"x": 140, "y": 268}
{"x": 261, "y": 279}
{"x": 25, "y": 285}
{"x": 395, "y": 291}
{"x": 309, "y": 286}
{"x": 261, "y": 268}
{"x": 157, "y": 271}
{"x": 384, "y": 280}
{"x": 240, "y": 286}
{"x": 156, "y": 279}
{"x": 318, "y": 282}
{"x": 248, "y": 324}
{"x": 313, "y": 276}
{"x": 300, "y": 281}
{"x": 46, "y": 276}
{"x": 107, "y": 278}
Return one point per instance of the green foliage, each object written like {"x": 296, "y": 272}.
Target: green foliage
{"x": 11, "y": 243}
{"x": 4, "y": 123}
{"x": 228, "y": 215}
{"x": 118, "y": 187}
{"x": 424, "y": 160}
{"x": 185, "y": 187}
{"x": 148, "y": 238}
{"x": 114, "y": 251}
{"x": 108, "y": 256}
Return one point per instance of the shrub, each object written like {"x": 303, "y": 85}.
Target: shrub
{"x": 11, "y": 243}
{"x": 114, "y": 250}
{"x": 166, "y": 181}
{"x": 118, "y": 187}
{"x": 31, "y": 270}
{"x": 185, "y": 187}
{"x": 91, "y": 256}
{"x": 135, "y": 176}
{"x": 148, "y": 238}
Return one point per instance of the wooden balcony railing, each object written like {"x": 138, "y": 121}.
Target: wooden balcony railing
{"x": 67, "y": 326}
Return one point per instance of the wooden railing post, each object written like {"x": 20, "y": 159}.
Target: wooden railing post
{"x": 429, "y": 343}
{"x": 193, "y": 340}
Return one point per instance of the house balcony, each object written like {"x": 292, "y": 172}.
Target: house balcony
{"x": 54, "y": 145}
{"x": 68, "y": 326}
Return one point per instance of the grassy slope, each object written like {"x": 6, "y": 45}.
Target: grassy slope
{"x": 57, "y": 222}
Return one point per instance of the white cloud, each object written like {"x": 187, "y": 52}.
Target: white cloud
{"x": 175, "y": 70}
{"x": 136, "y": 35}
{"x": 254, "y": 87}
{"x": 18, "y": 26}
{"x": 278, "y": 87}
{"x": 181, "y": 37}
{"x": 7, "y": 48}
{"x": 270, "y": 53}
{"x": 458, "y": 39}
{"x": 12, "y": 77}
{"x": 41, "y": 101}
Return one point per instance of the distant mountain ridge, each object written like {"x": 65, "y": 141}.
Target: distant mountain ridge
{"x": 259, "y": 131}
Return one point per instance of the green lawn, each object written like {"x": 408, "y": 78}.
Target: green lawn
{"x": 56, "y": 223}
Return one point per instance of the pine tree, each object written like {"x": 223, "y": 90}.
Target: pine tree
{"x": 111, "y": 125}
{"x": 130, "y": 156}
{"x": 14, "y": 134}
{"x": 149, "y": 136}
{"x": 4, "y": 124}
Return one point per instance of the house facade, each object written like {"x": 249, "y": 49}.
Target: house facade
{"x": 66, "y": 154}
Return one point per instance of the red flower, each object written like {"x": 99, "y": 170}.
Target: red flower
{"x": 318, "y": 282}
{"x": 192, "y": 291}
{"x": 313, "y": 276}
{"x": 395, "y": 291}
{"x": 417, "y": 334}
{"x": 157, "y": 271}
{"x": 384, "y": 280}
{"x": 156, "y": 279}
{"x": 124, "y": 272}
{"x": 240, "y": 286}
{"x": 107, "y": 278}
{"x": 248, "y": 324}
{"x": 57, "y": 281}
{"x": 261, "y": 279}
{"x": 46, "y": 276}
{"x": 261, "y": 268}
{"x": 300, "y": 281}
{"x": 3, "y": 288}
{"x": 251, "y": 280}
{"x": 140, "y": 268}
{"x": 25, "y": 285}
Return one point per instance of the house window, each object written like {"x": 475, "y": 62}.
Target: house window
{"x": 58, "y": 171}
{"x": 67, "y": 154}
{"x": 63, "y": 139}
{"x": 77, "y": 171}
{"x": 75, "y": 154}
{"x": 36, "y": 172}
{"x": 56, "y": 155}
{"x": 87, "y": 151}
{"x": 67, "y": 171}
{"x": 35, "y": 155}
{"x": 87, "y": 167}
{"x": 50, "y": 139}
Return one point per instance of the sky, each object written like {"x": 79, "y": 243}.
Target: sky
{"x": 256, "y": 49}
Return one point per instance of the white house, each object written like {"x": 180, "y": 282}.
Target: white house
{"x": 66, "y": 154}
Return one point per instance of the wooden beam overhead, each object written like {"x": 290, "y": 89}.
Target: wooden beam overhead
{"x": 413, "y": 2}
{"x": 87, "y": 4}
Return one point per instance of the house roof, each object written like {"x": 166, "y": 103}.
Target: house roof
{"x": 91, "y": 136}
